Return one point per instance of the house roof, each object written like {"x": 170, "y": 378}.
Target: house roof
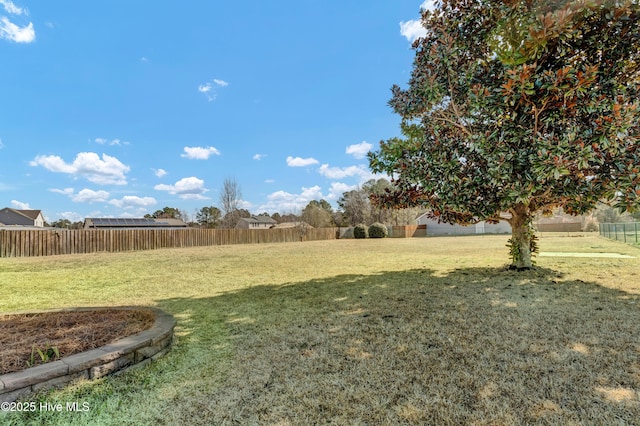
{"x": 426, "y": 214}
{"x": 292, "y": 225}
{"x": 31, "y": 214}
{"x": 259, "y": 219}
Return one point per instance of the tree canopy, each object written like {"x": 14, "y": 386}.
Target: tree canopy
{"x": 167, "y": 212}
{"x": 515, "y": 107}
{"x": 208, "y": 217}
{"x": 318, "y": 214}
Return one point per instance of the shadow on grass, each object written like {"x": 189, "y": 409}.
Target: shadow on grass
{"x": 474, "y": 345}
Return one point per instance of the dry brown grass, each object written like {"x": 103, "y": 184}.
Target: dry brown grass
{"x": 472, "y": 346}
{"x": 69, "y": 332}
{"x": 416, "y": 331}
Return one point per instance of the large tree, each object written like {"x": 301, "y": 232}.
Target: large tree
{"x": 318, "y": 214}
{"x": 374, "y": 187}
{"x": 356, "y": 206}
{"x": 208, "y": 217}
{"x": 168, "y": 212}
{"x": 515, "y": 107}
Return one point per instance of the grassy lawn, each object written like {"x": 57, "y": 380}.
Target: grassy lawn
{"x": 394, "y": 331}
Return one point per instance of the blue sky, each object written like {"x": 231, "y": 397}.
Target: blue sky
{"x": 120, "y": 108}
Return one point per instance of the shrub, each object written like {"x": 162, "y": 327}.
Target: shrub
{"x": 591, "y": 226}
{"x": 378, "y": 230}
{"x": 360, "y": 231}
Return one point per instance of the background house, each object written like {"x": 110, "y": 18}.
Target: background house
{"x": 15, "y": 217}
{"x": 435, "y": 228}
{"x": 256, "y": 222}
{"x": 293, "y": 225}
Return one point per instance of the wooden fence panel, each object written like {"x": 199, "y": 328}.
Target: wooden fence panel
{"x": 49, "y": 242}
{"x": 559, "y": 227}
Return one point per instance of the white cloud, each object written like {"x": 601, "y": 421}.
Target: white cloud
{"x": 131, "y": 201}
{"x": 72, "y": 216}
{"x": 208, "y": 89}
{"x": 159, "y": 172}
{"x": 428, "y": 5}
{"x": 413, "y": 29}
{"x": 65, "y": 191}
{"x": 134, "y": 213}
{"x": 12, "y": 8}
{"x": 343, "y": 172}
{"x": 205, "y": 88}
{"x": 269, "y": 181}
{"x": 1, "y": 144}
{"x": 285, "y": 202}
{"x": 337, "y": 189}
{"x": 186, "y": 188}
{"x": 11, "y": 31}
{"x": 282, "y": 201}
{"x": 103, "y": 141}
{"x": 243, "y": 204}
{"x": 20, "y": 205}
{"x": 255, "y": 157}
{"x": 359, "y": 150}
{"x": 106, "y": 171}
{"x": 199, "y": 153}
{"x": 90, "y": 196}
{"x": 300, "y": 162}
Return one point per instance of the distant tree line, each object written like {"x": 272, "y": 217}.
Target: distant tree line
{"x": 354, "y": 208}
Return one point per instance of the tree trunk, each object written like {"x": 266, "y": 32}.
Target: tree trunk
{"x": 521, "y": 236}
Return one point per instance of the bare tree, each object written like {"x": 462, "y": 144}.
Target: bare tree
{"x": 229, "y": 201}
{"x": 302, "y": 228}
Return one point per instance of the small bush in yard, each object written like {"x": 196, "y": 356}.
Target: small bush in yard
{"x": 378, "y": 230}
{"x": 591, "y": 226}
{"x": 360, "y": 231}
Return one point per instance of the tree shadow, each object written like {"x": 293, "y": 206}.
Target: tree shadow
{"x": 472, "y": 345}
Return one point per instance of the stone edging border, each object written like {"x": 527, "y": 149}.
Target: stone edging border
{"x": 130, "y": 352}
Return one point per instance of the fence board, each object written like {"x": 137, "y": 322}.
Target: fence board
{"x": 559, "y": 227}
{"x": 49, "y": 242}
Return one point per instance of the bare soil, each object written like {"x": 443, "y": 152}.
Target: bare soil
{"x": 21, "y": 336}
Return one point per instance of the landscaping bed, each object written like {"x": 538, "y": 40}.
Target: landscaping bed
{"x": 68, "y": 332}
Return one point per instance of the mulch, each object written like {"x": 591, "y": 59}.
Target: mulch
{"x": 70, "y": 332}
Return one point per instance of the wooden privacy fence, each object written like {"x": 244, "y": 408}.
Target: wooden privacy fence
{"x": 408, "y": 231}
{"x": 559, "y": 227}
{"x": 49, "y": 242}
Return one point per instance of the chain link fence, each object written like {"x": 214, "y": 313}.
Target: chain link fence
{"x": 625, "y": 232}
